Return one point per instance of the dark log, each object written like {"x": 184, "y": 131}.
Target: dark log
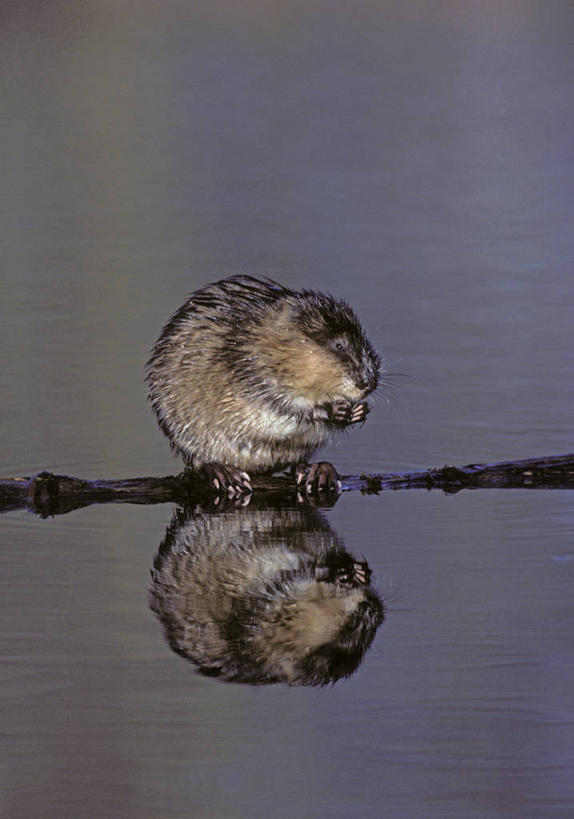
{"x": 47, "y": 494}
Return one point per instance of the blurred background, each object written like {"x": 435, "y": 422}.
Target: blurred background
{"x": 414, "y": 158}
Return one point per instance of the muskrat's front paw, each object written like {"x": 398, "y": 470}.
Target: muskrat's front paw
{"x": 340, "y": 412}
{"x": 359, "y": 574}
{"x": 320, "y": 478}
{"x": 228, "y": 480}
{"x": 345, "y": 412}
{"x": 359, "y": 412}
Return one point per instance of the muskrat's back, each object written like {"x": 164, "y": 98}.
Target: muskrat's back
{"x": 251, "y": 375}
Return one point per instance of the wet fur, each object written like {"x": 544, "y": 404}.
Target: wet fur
{"x": 246, "y": 371}
{"x": 264, "y": 596}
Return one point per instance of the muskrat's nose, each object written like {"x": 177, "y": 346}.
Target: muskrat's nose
{"x": 367, "y": 382}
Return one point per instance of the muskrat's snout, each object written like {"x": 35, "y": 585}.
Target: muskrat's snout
{"x": 368, "y": 383}
{"x": 365, "y": 380}
{"x": 368, "y": 378}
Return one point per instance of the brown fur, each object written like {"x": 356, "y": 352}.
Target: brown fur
{"x": 264, "y": 595}
{"x": 245, "y": 372}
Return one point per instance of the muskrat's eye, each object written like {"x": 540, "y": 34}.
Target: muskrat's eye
{"x": 338, "y": 345}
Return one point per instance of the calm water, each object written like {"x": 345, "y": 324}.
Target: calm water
{"x": 416, "y": 159}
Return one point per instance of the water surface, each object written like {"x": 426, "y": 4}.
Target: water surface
{"x": 415, "y": 159}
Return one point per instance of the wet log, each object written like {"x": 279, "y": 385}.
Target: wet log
{"x": 48, "y": 494}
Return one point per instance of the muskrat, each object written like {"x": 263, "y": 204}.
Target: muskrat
{"x": 250, "y": 377}
{"x": 264, "y": 595}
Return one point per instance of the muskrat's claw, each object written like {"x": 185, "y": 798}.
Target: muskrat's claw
{"x": 228, "y": 480}
{"x": 358, "y": 574}
{"x": 362, "y": 572}
{"x": 359, "y": 412}
{"x": 319, "y": 478}
{"x": 225, "y": 503}
{"x": 346, "y": 413}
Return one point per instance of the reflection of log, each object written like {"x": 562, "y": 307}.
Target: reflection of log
{"x": 50, "y": 494}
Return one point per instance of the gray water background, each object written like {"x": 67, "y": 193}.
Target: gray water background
{"x": 414, "y": 158}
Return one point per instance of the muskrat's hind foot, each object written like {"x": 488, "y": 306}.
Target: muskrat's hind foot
{"x": 346, "y": 413}
{"x": 319, "y": 478}
{"x": 228, "y": 479}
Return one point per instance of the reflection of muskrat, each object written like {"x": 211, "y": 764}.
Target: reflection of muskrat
{"x": 264, "y": 595}
{"x": 250, "y": 376}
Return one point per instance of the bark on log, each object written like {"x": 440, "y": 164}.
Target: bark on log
{"x": 47, "y": 494}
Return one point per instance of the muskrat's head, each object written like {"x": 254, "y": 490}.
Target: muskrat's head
{"x": 338, "y": 356}
{"x": 306, "y": 347}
